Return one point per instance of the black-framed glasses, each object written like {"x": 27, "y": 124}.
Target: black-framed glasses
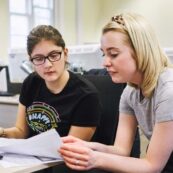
{"x": 52, "y": 57}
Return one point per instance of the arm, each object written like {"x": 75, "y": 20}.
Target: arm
{"x": 21, "y": 129}
{"x": 124, "y": 138}
{"x": 86, "y": 133}
{"x": 125, "y": 135}
{"x": 158, "y": 153}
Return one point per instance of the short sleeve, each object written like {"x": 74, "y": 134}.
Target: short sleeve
{"x": 23, "y": 93}
{"x": 164, "y": 103}
{"x": 29, "y": 89}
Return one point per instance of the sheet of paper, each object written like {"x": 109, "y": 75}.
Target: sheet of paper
{"x": 12, "y": 160}
{"x": 23, "y": 151}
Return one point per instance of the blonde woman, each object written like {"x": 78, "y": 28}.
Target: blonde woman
{"x": 132, "y": 54}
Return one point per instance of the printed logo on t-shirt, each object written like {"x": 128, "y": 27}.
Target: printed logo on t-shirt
{"x": 41, "y": 117}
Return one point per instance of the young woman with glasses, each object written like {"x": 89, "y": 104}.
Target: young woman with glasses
{"x": 52, "y": 96}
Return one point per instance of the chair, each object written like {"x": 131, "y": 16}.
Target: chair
{"x": 109, "y": 94}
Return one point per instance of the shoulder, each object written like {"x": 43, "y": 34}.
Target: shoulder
{"x": 164, "y": 88}
{"x": 163, "y": 96}
{"x": 166, "y": 75}
{"x": 29, "y": 88}
{"x": 32, "y": 80}
{"x": 32, "y": 77}
{"x": 165, "y": 80}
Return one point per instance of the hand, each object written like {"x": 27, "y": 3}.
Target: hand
{"x": 78, "y": 156}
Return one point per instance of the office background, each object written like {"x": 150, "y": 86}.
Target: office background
{"x": 81, "y": 21}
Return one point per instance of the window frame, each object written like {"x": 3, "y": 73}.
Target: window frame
{"x": 30, "y": 17}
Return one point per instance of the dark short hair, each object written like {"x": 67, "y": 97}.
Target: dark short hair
{"x": 44, "y": 32}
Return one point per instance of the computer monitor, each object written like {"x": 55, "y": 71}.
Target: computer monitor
{"x": 3, "y": 79}
{"x": 16, "y": 73}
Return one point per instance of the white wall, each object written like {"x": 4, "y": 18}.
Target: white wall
{"x": 4, "y": 32}
{"x": 158, "y": 12}
{"x": 94, "y": 14}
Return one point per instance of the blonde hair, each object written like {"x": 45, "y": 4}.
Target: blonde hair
{"x": 150, "y": 58}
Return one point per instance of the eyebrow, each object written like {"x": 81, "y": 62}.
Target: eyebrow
{"x": 111, "y": 48}
{"x": 48, "y": 53}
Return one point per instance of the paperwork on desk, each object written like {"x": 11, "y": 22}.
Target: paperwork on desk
{"x": 42, "y": 148}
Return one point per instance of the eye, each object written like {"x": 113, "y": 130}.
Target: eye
{"x": 114, "y": 55}
{"x": 38, "y": 58}
{"x": 55, "y": 54}
{"x": 103, "y": 54}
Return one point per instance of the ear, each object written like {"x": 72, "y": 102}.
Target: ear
{"x": 65, "y": 54}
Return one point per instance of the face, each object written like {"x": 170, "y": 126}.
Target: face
{"x": 118, "y": 58}
{"x": 49, "y": 71}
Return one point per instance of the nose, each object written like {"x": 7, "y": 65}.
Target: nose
{"x": 47, "y": 62}
{"x": 106, "y": 61}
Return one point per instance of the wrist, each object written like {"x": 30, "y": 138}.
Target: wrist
{"x": 98, "y": 160}
{"x": 98, "y": 146}
{"x": 2, "y": 132}
{"x": 92, "y": 145}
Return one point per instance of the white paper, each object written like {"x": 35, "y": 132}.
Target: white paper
{"x": 23, "y": 151}
{"x": 10, "y": 160}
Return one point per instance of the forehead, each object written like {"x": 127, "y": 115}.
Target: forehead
{"x": 113, "y": 39}
{"x": 44, "y": 47}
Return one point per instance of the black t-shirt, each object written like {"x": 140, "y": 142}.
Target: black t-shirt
{"x": 77, "y": 104}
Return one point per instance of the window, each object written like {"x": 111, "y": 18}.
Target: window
{"x": 24, "y": 15}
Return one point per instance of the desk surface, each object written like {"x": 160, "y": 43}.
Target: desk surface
{"x": 9, "y": 99}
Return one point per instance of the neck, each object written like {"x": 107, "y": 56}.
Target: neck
{"x": 137, "y": 80}
{"x": 58, "y": 85}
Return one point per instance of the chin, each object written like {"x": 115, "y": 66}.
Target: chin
{"x": 117, "y": 80}
{"x": 50, "y": 79}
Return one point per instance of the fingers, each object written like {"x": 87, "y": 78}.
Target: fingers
{"x": 74, "y": 151}
{"x": 70, "y": 139}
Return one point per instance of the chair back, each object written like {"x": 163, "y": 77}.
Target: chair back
{"x": 109, "y": 95}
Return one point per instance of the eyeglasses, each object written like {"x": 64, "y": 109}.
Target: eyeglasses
{"x": 40, "y": 59}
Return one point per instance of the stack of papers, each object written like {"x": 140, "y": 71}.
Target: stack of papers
{"x": 39, "y": 149}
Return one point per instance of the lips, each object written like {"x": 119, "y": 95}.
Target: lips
{"x": 49, "y": 72}
{"x": 112, "y": 72}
